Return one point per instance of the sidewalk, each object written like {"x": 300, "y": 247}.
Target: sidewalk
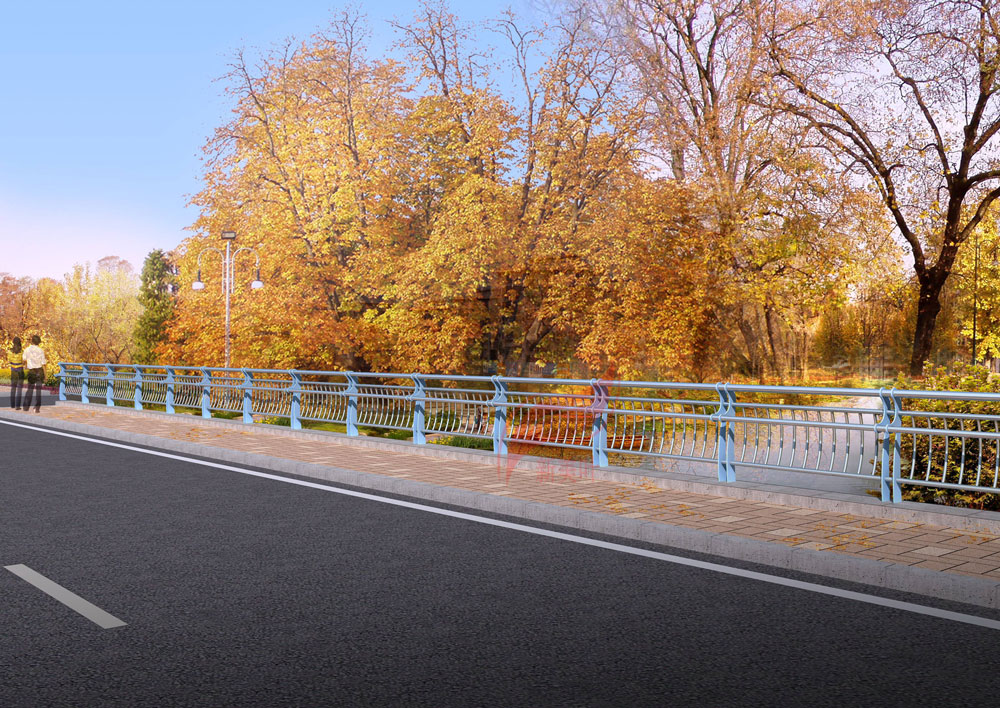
{"x": 952, "y": 554}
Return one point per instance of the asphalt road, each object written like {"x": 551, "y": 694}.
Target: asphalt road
{"x": 241, "y": 591}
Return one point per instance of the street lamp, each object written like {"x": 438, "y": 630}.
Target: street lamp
{"x": 228, "y": 274}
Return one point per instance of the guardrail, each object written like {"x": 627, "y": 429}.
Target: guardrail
{"x": 685, "y": 421}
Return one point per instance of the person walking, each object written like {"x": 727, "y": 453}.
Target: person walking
{"x": 16, "y": 360}
{"x": 34, "y": 359}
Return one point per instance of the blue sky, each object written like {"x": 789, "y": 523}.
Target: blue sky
{"x": 104, "y": 107}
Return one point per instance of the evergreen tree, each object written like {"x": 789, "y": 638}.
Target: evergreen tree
{"x": 156, "y": 297}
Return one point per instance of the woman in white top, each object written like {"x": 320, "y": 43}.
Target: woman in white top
{"x": 34, "y": 362}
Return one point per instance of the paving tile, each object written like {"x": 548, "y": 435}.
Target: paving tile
{"x": 785, "y": 532}
{"x": 869, "y": 530}
{"x": 899, "y": 560}
{"x": 901, "y": 525}
{"x": 973, "y": 568}
{"x": 974, "y": 553}
{"x": 852, "y": 547}
{"x": 935, "y": 564}
{"x": 935, "y": 551}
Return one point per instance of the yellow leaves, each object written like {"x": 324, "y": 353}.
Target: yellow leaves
{"x": 437, "y": 225}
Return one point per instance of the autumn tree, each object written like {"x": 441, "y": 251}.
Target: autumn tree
{"x": 94, "y": 313}
{"x": 780, "y": 224}
{"x": 309, "y": 169}
{"x": 630, "y": 203}
{"x": 977, "y": 288}
{"x": 15, "y": 306}
{"x": 514, "y": 185}
{"x": 902, "y": 94}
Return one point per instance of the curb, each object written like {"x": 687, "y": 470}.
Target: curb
{"x": 921, "y": 581}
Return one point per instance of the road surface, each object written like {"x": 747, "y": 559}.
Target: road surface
{"x": 236, "y": 590}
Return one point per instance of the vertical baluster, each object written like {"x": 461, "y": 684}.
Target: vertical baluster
{"x": 137, "y": 394}
{"x": 499, "y": 416}
{"x": 996, "y": 454}
{"x": 673, "y": 426}
{"x": 352, "y": 404}
{"x": 720, "y": 433}
{"x": 62, "y": 382}
{"x": 206, "y": 394}
{"x": 84, "y": 384}
{"x": 897, "y": 447}
{"x": 730, "y": 435}
{"x": 726, "y": 434}
{"x": 599, "y": 432}
{"x": 889, "y": 471}
{"x": 296, "y": 407}
{"x": 880, "y": 429}
{"x": 418, "y": 395}
{"x": 169, "y": 400}
{"x": 945, "y": 423}
{"x": 247, "y": 387}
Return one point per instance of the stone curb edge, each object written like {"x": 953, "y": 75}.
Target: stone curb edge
{"x": 921, "y": 581}
{"x": 908, "y": 512}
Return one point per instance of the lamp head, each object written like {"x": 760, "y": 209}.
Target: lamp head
{"x": 197, "y": 284}
{"x": 257, "y": 284}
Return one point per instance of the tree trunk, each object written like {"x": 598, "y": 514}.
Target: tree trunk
{"x": 928, "y": 307}
{"x": 777, "y": 361}
{"x": 752, "y": 342}
{"x": 536, "y": 332}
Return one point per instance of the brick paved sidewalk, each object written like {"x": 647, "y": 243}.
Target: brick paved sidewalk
{"x": 953, "y": 551}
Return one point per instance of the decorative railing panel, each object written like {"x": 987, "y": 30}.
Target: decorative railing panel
{"x": 942, "y": 439}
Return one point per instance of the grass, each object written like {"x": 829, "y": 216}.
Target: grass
{"x": 387, "y": 434}
{"x": 340, "y": 428}
{"x": 463, "y": 441}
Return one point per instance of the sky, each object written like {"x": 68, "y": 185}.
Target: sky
{"x": 105, "y": 106}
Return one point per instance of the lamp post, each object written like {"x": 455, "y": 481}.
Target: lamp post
{"x": 228, "y": 274}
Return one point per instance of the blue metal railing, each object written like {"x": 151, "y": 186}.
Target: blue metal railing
{"x": 730, "y": 425}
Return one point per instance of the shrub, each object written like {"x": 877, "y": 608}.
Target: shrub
{"x": 929, "y": 456}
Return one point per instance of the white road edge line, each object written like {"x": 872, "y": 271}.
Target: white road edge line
{"x": 621, "y": 548}
{"x": 73, "y": 601}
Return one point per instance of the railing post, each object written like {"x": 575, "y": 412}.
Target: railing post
{"x": 84, "y": 387}
{"x": 109, "y": 385}
{"x": 168, "y": 402}
{"x": 889, "y": 467}
{"x": 418, "y": 395}
{"x": 730, "y": 435}
{"x": 881, "y": 428}
{"x": 897, "y": 447}
{"x": 352, "y": 404}
{"x": 247, "y": 396}
{"x": 726, "y": 434}
{"x": 599, "y": 429}
{"x": 499, "y": 416}
{"x": 138, "y": 389}
{"x": 62, "y": 382}
{"x": 295, "y": 410}
{"x": 206, "y": 394}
